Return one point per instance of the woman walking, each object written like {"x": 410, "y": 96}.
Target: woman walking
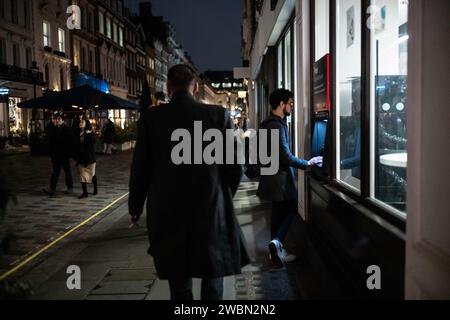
{"x": 86, "y": 161}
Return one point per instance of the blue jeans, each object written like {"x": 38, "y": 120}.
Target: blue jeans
{"x": 181, "y": 289}
{"x": 283, "y": 213}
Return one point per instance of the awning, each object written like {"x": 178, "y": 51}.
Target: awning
{"x": 84, "y": 97}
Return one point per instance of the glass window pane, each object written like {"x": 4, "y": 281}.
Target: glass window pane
{"x": 114, "y": 32}
{"x": 108, "y": 27}
{"x": 288, "y": 61}
{"x": 121, "y": 37}
{"x": 280, "y": 65}
{"x": 389, "y": 52}
{"x": 101, "y": 23}
{"x": 322, "y": 28}
{"x": 61, "y": 41}
{"x": 348, "y": 91}
{"x": 46, "y": 33}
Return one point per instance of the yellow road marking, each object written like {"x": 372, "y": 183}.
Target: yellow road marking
{"x": 38, "y": 253}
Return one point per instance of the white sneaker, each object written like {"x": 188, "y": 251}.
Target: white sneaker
{"x": 277, "y": 253}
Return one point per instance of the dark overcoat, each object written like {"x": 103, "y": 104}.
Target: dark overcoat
{"x": 60, "y": 141}
{"x": 281, "y": 186}
{"x": 86, "y": 149}
{"x": 193, "y": 230}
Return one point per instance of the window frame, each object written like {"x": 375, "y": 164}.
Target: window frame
{"x": 290, "y": 27}
{"x": 386, "y": 212}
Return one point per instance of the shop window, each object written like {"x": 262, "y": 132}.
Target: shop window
{"x": 348, "y": 92}
{"x": 388, "y": 82}
{"x": 15, "y": 115}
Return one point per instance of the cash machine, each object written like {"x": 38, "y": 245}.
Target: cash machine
{"x": 321, "y": 117}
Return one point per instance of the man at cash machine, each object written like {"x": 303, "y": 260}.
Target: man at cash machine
{"x": 280, "y": 188}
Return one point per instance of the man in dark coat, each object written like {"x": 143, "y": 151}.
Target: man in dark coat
{"x": 60, "y": 142}
{"x": 281, "y": 188}
{"x": 108, "y": 137}
{"x": 192, "y": 227}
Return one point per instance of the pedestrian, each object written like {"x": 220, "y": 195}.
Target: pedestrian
{"x": 109, "y": 132}
{"x": 193, "y": 230}
{"x": 280, "y": 189}
{"x": 60, "y": 143}
{"x": 86, "y": 160}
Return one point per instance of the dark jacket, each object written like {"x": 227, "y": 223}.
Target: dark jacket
{"x": 86, "y": 150}
{"x": 193, "y": 230}
{"x": 61, "y": 142}
{"x": 108, "y": 133}
{"x": 282, "y": 186}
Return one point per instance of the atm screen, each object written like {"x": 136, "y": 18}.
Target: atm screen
{"x": 319, "y": 138}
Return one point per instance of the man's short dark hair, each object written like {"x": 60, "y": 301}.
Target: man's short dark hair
{"x": 278, "y": 96}
{"x": 180, "y": 76}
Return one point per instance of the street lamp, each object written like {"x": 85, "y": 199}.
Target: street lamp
{"x": 34, "y": 75}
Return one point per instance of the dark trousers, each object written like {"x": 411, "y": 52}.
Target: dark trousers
{"x": 59, "y": 164}
{"x": 283, "y": 213}
{"x": 181, "y": 289}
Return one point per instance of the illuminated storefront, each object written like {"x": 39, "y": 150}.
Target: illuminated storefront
{"x": 355, "y": 51}
{"x": 364, "y": 177}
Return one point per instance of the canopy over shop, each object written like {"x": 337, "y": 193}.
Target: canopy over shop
{"x": 83, "y": 100}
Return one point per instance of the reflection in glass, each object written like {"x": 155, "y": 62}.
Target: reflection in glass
{"x": 348, "y": 91}
{"x": 389, "y": 53}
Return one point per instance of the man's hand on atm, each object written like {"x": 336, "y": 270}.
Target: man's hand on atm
{"x": 316, "y": 162}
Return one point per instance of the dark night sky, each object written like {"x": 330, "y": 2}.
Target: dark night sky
{"x": 209, "y": 30}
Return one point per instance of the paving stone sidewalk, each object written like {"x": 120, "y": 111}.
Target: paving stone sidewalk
{"x": 113, "y": 257}
{"x": 37, "y": 219}
{"x": 115, "y": 265}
